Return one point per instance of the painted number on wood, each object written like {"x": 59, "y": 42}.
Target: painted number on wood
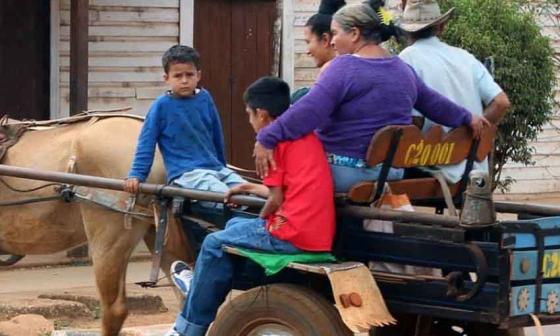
{"x": 551, "y": 264}
{"x": 422, "y": 154}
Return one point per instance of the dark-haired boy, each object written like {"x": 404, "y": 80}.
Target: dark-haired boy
{"x": 185, "y": 125}
{"x": 298, "y": 214}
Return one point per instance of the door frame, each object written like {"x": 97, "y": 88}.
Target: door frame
{"x": 186, "y": 34}
{"x": 55, "y": 61}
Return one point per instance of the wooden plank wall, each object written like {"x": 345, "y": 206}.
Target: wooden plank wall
{"x": 544, "y": 176}
{"x": 127, "y": 40}
{"x": 305, "y": 72}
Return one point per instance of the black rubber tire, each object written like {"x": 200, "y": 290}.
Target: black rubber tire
{"x": 300, "y": 310}
{"x": 9, "y": 260}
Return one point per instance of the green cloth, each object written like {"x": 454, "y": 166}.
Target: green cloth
{"x": 275, "y": 262}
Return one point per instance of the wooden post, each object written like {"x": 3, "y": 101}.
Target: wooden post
{"x": 79, "y": 31}
{"x": 79, "y": 56}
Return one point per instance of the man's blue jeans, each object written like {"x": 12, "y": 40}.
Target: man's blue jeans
{"x": 214, "y": 271}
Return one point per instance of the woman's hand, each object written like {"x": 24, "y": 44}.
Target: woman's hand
{"x": 477, "y": 125}
{"x": 263, "y": 158}
{"x": 132, "y": 185}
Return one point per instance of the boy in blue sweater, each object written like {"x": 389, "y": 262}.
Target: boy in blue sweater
{"x": 185, "y": 124}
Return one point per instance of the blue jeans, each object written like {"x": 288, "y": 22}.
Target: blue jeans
{"x": 213, "y": 272}
{"x": 345, "y": 177}
{"x": 209, "y": 180}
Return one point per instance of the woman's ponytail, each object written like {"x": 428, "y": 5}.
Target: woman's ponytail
{"x": 387, "y": 27}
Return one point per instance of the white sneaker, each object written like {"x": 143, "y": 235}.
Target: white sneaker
{"x": 182, "y": 275}
{"x": 172, "y": 332}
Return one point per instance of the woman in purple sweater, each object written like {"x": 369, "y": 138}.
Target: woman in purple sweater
{"x": 361, "y": 91}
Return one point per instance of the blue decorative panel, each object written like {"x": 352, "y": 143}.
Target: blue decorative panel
{"x": 525, "y": 240}
{"x": 550, "y": 302}
{"x": 524, "y": 265}
{"x": 522, "y": 300}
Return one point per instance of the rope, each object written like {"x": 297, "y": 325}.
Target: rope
{"x": 67, "y": 198}
{"x": 32, "y": 200}
{"x": 27, "y": 190}
{"x": 538, "y": 325}
{"x": 446, "y": 194}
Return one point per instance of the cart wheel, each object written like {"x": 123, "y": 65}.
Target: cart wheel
{"x": 281, "y": 310}
{"x": 9, "y": 260}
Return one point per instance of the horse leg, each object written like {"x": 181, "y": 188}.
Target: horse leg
{"x": 111, "y": 246}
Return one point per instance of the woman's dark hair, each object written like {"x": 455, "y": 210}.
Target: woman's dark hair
{"x": 320, "y": 23}
{"x": 367, "y": 19}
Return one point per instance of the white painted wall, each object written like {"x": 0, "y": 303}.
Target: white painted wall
{"x": 544, "y": 176}
{"x": 127, "y": 39}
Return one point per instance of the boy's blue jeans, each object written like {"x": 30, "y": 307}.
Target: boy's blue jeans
{"x": 213, "y": 272}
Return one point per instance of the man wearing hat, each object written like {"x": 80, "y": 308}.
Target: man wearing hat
{"x": 451, "y": 71}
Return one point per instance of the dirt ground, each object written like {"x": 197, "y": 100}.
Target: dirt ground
{"x": 29, "y": 280}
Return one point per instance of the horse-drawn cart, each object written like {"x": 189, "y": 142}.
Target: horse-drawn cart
{"x": 477, "y": 278}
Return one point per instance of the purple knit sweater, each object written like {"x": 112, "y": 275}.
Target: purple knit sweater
{"x": 354, "y": 98}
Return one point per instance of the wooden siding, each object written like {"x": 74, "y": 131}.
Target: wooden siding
{"x": 305, "y": 71}
{"x": 544, "y": 176}
{"x": 127, "y": 39}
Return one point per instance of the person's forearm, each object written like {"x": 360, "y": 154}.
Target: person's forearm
{"x": 300, "y": 119}
{"x": 440, "y": 109}
{"x": 497, "y": 109}
{"x": 257, "y": 189}
{"x": 273, "y": 202}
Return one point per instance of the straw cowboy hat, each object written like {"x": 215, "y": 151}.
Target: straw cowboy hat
{"x": 420, "y": 14}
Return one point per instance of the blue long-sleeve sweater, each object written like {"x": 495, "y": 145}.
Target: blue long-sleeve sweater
{"x": 188, "y": 133}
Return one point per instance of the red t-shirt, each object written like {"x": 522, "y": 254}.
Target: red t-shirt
{"x": 306, "y": 217}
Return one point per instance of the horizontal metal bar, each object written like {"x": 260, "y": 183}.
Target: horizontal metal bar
{"x": 169, "y": 191}
{"x": 534, "y": 209}
{"x": 116, "y": 184}
{"x": 399, "y": 216}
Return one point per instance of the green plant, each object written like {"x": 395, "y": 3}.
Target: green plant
{"x": 524, "y": 67}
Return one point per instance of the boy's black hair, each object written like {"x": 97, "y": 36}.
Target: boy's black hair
{"x": 180, "y": 54}
{"x": 268, "y": 93}
{"x": 320, "y": 23}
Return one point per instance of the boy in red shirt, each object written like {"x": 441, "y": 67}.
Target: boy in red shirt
{"x": 298, "y": 214}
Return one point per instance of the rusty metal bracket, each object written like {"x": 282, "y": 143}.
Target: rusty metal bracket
{"x": 455, "y": 280}
{"x": 161, "y": 229}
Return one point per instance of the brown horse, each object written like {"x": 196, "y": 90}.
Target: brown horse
{"x": 94, "y": 146}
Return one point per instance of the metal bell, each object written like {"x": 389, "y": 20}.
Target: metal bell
{"x": 478, "y": 206}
